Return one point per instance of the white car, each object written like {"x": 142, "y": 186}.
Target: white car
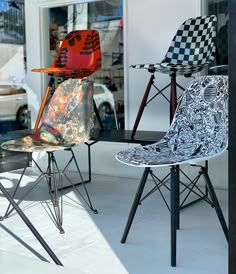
{"x": 13, "y": 104}
{"x": 104, "y": 100}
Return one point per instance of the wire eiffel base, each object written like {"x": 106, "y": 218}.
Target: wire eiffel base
{"x": 54, "y": 178}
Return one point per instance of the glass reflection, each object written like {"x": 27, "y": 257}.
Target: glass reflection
{"x": 107, "y": 18}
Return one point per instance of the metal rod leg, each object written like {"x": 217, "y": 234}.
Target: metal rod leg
{"x": 173, "y": 96}
{"x": 44, "y": 102}
{"x": 9, "y": 209}
{"x": 177, "y": 197}
{"x": 173, "y": 211}
{"x": 215, "y": 202}
{"x": 30, "y": 226}
{"x": 89, "y": 162}
{"x": 143, "y": 104}
{"x": 55, "y": 182}
{"x": 82, "y": 180}
{"x": 206, "y": 189}
{"x": 135, "y": 204}
{"x": 97, "y": 114}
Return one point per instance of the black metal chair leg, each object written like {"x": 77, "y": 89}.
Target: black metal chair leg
{"x": 143, "y": 104}
{"x": 215, "y": 202}
{"x": 9, "y": 209}
{"x": 135, "y": 204}
{"x": 178, "y": 197}
{"x": 173, "y": 96}
{"x": 88, "y": 202}
{"x": 54, "y": 178}
{"x": 30, "y": 226}
{"x": 174, "y": 212}
{"x": 85, "y": 198}
{"x": 97, "y": 114}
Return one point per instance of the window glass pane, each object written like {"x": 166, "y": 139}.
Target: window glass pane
{"x": 220, "y": 9}
{"x": 13, "y": 90}
{"x": 98, "y": 90}
{"x": 107, "y": 18}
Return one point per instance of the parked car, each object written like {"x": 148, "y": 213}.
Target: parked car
{"x": 104, "y": 100}
{"x": 13, "y": 104}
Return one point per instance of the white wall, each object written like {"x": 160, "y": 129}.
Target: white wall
{"x": 149, "y": 28}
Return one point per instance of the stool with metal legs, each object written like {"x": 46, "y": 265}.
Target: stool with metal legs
{"x": 191, "y": 50}
{"x": 198, "y": 132}
{"x": 66, "y": 123}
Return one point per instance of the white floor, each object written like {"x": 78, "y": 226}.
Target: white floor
{"x": 91, "y": 243}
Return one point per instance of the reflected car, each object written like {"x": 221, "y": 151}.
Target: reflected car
{"x": 13, "y": 104}
{"x": 104, "y": 100}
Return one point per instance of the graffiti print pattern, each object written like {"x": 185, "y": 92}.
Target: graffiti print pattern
{"x": 67, "y": 122}
{"x": 199, "y": 129}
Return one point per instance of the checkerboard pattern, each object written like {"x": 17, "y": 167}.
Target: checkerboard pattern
{"x": 192, "y": 48}
{"x": 168, "y": 68}
{"x": 194, "y": 42}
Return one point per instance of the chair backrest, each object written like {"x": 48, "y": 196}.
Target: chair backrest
{"x": 80, "y": 50}
{"x": 194, "y": 42}
{"x": 200, "y": 125}
{"x": 69, "y": 116}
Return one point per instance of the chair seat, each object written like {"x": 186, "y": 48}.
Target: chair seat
{"x": 160, "y": 154}
{"x": 198, "y": 130}
{"x": 32, "y": 144}
{"x": 168, "y": 68}
{"x": 65, "y": 72}
{"x": 42, "y": 141}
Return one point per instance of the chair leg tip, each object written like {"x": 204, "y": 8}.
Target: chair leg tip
{"x": 95, "y": 211}
{"x": 122, "y": 241}
{"x": 62, "y": 231}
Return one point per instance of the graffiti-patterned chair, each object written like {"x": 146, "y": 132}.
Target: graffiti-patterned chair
{"x": 67, "y": 123}
{"x": 78, "y": 56}
{"x": 198, "y": 132}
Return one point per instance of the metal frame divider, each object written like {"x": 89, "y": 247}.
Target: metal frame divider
{"x": 30, "y": 226}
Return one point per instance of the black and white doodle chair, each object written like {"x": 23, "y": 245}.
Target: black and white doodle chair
{"x": 198, "y": 132}
{"x": 191, "y": 50}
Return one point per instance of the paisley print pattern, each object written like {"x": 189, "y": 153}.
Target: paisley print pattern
{"x": 199, "y": 129}
{"x": 67, "y": 122}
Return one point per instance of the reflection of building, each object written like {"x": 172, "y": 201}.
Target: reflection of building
{"x": 107, "y": 18}
{"x": 12, "y": 29}
{"x": 222, "y": 45}
{"x": 12, "y": 66}
{"x": 12, "y": 40}
{"x": 220, "y": 8}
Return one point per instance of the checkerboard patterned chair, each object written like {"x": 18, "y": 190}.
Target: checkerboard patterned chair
{"x": 199, "y": 132}
{"x": 191, "y": 50}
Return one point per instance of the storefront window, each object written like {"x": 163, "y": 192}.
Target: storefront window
{"x": 220, "y": 9}
{"x": 13, "y": 91}
{"x": 107, "y": 18}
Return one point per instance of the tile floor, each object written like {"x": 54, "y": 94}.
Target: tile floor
{"x": 91, "y": 243}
